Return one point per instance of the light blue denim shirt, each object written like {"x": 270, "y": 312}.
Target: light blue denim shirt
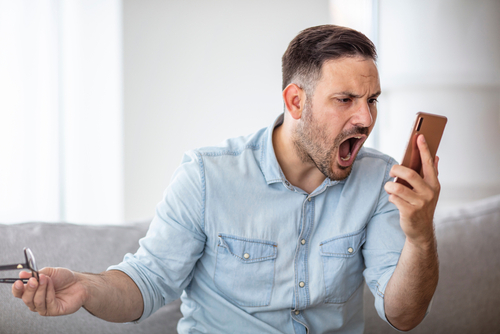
{"x": 251, "y": 253}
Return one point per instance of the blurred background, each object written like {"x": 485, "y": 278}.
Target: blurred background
{"x": 100, "y": 98}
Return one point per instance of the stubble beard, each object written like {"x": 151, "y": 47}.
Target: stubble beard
{"x": 311, "y": 140}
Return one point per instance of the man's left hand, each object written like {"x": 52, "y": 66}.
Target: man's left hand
{"x": 416, "y": 206}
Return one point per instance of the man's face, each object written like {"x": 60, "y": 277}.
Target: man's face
{"x": 340, "y": 115}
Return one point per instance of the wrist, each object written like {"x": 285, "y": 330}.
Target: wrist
{"x": 86, "y": 282}
{"x": 422, "y": 245}
{"x": 82, "y": 280}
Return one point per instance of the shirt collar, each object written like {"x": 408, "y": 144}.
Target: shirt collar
{"x": 269, "y": 164}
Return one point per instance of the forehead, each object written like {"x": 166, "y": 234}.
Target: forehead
{"x": 352, "y": 73}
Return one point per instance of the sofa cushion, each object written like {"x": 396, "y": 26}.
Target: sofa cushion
{"x": 84, "y": 248}
{"x": 467, "y": 299}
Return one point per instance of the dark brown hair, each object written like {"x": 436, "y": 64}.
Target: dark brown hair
{"x": 306, "y": 53}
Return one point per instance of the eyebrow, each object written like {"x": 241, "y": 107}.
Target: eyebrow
{"x": 352, "y": 95}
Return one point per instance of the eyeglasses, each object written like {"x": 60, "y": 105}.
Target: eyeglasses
{"x": 30, "y": 264}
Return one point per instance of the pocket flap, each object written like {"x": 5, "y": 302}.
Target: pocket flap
{"x": 345, "y": 245}
{"x": 248, "y": 250}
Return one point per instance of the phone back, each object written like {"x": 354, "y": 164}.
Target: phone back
{"x": 432, "y": 127}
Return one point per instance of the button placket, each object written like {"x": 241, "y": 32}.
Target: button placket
{"x": 301, "y": 265}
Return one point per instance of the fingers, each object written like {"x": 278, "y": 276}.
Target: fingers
{"x": 51, "y": 297}
{"x": 24, "y": 274}
{"x": 436, "y": 164}
{"x": 29, "y": 293}
{"x": 428, "y": 165}
{"x": 34, "y": 294}
{"x": 39, "y": 298}
{"x": 409, "y": 175}
{"x": 409, "y": 196}
{"x": 18, "y": 289}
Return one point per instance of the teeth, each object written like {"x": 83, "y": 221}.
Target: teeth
{"x": 347, "y": 157}
{"x": 357, "y": 137}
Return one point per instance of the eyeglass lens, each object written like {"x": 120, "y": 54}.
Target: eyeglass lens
{"x": 31, "y": 261}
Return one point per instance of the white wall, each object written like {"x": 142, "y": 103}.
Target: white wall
{"x": 91, "y": 109}
{"x": 29, "y": 182}
{"x": 195, "y": 73}
{"x": 443, "y": 56}
{"x": 61, "y": 111}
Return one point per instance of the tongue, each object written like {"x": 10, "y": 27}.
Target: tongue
{"x": 344, "y": 149}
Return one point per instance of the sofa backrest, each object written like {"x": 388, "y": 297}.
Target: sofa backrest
{"x": 467, "y": 299}
{"x": 84, "y": 248}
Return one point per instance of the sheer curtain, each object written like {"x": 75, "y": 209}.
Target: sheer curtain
{"x": 61, "y": 111}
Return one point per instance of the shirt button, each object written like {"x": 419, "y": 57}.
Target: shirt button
{"x": 297, "y": 312}
{"x": 303, "y": 241}
{"x": 287, "y": 183}
{"x": 309, "y": 199}
{"x": 302, "y": 284}
{"x": 246, "y": 255}
{"x": 350, "y": 250}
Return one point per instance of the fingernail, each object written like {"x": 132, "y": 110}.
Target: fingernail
{"x": 423, "y": 138}
{"x": 18, "y": 286}
{"x": 31, "y": 282}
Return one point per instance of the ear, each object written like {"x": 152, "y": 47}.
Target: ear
{"x": 294, "y": 98}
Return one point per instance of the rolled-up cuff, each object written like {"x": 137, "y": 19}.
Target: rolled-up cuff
{"x": 130, "y": 271}
{"x": 380, "y": 300}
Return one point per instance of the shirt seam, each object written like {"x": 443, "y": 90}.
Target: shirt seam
{"x": 252, "y": 147}
{"x": 386, "y": 177}
{"x": 380, "y": 156}
{"x": 203, "y": 190}
{"x": 262, "y": 154}
{"x": 308, "y": 233}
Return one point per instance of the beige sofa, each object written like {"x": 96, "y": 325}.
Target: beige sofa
{"x": 467, "y": 299}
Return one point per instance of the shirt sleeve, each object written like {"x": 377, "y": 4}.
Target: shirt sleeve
{"x": 384, "y": 242}
{"x": 164, "y": 263}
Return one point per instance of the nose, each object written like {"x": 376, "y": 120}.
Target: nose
{"x": 363, "y": 116}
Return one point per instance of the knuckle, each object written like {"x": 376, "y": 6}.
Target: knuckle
{"x": 27, "y": 299}
{"x": 421, "y": 203}
{"x": 412, "y": 175}
{"x": 39, "y": 303}
{"x": 430, "y": 193}
{"x": 398, "y": 189}
{"x": 408, "y": 174}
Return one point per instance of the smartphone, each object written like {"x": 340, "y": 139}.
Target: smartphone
{"x": 432, "y": 127}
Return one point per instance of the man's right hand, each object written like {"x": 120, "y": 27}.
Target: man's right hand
{"x": 58, "y": 292}
{"x": 111, "y": 295}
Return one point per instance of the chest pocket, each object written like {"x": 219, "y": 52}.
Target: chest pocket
{"x": 343, "y": 265}
{"x": 244, "y": 269}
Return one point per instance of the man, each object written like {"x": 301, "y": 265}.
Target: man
{"x": 273, "y": 232}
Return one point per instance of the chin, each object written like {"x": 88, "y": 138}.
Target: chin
{"x": 339, "y": 173}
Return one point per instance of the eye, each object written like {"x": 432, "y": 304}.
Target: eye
{"x": 372, "y": 101}
{"x": 346, "y": 100}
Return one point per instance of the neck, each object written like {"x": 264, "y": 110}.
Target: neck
{"x": 304, "y": 175}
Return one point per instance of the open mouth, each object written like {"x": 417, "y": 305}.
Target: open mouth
{"x": 349, "y": 148}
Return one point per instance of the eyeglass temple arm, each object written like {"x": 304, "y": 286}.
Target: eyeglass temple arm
{"x": 14, "y": 266}
{"x": 13, "y": 280}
